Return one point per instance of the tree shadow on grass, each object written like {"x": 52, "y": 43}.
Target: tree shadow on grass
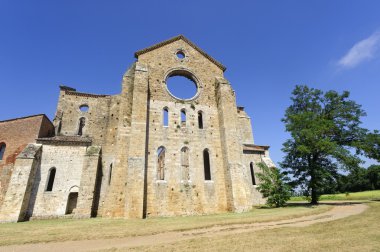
{"x": 328, "y": 203}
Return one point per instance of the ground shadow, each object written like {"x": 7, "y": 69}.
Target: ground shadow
{"x": 329, "y": 203}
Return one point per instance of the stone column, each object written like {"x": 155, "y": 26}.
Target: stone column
{"x": 232, "y": 149}
{"x": 135, "y": 184}
{"x": 87, "y": 187}
{"x": 115, "y": 201}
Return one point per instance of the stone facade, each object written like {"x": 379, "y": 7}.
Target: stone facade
{"x": 117, "y": 156}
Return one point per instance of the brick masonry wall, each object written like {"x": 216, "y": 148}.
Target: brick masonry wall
{"x": 16, "y": 201}
{"x": 16, "y": 134}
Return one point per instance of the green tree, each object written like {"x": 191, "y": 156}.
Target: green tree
{"x": 272, "y": 185}
{"x": 373, "y": 174}
{"x": 356, "y": 181}
{"x": 370, "y": 145}
{"x": 325, "y": 129}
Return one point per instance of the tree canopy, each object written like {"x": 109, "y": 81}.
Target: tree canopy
{"x": 325, "y": 137}
{"x": 361, "y": 179}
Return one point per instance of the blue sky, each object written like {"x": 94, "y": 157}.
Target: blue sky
{"x": 268, "y": 47}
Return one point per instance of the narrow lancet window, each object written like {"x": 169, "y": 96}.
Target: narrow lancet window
{"x": 2, "y": 150}
{"x": 165, "y": 119}
{"x": 200, "y": 120}
{"x": 185, "y": 172}
{"x": 206, "y": 164}
{"x": 252, "y": 174}
{"x": 183, "y": 118}
{"x": 51, "y": 178}
{"x": 161, "y": 163}
{"x": 110, "y": 175}
{"x": 82, "y": 123}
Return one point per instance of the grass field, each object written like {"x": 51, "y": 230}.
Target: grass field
{"x": 356, "y": 233}
{"x": 98, "y": 228}
{"x": 367, "y": 195}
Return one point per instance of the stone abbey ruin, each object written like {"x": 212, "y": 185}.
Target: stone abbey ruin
{"x": 143, "y": 152}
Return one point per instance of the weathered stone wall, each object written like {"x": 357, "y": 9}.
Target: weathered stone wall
{"x": 96, "y": 117}
{"x": 102, "y": 122}
{"x": 16, "y": 134}
{"x": 174, "y": 195}
{"x": 113, "y": 191}
{"x": 232, "y": 148}
{"x": 245, "y": 127}
{"x": 16, "y": 201}
{"x": 255, "y": 197}
{"x": 117, "y": 175}
{"x": 137, "y": 145}
{"x": 68, "y": 161}
{"x": 229, "y": 188}
{"x": 87, "y": 199}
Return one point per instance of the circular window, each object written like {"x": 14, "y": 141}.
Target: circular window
{"x": 180, "y": 55}
{"x": 182, "y": 85}
{"x": 83, "y": 108}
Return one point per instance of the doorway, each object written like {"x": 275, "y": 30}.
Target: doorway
{"x": 72, "y": 202}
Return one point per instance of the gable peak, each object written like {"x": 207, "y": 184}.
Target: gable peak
{"x": 183, "y": 38}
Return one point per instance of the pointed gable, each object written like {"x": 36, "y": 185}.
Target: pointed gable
{"x": 180, "y": 37}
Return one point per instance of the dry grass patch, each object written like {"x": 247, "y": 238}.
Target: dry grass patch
{"x": 355, "y": 233}
{"x": 98, "y": 228}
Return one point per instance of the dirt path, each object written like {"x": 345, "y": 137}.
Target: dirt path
{"x": 339, "y": 211}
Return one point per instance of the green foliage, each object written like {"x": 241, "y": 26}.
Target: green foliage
{"x": 272, "y": 186}
{"x": 373, "y": 175}
{"x": 360, "y": 180}
{"x": 325, "y": 130}
{"x": 355, "y": 181}
{"x": 370, "y": 145}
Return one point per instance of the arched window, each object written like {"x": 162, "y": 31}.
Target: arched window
{"x": 82, "y": 123}
{"x": 206, "y": 164}
{"x": 161, "y": 163}
{"x": 185, "y": 172}
{"x": 110, "y": 175}
{"x": 51, "y": 178}
{"x": 252, "y": 174}
{"x": 183, "y": 118}
{"x": 165, "y": 119}
{"x": 2, "y": 150}
{"x": 200, "y": 120}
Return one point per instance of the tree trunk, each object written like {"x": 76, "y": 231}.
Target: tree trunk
{"x": 314, "y": 196}
{"x": 312, "y": 163}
